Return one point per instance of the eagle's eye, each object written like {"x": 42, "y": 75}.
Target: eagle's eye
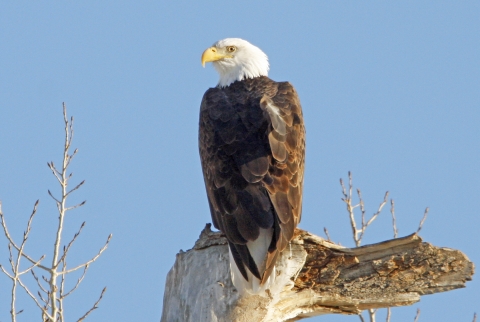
{"x": 231, "y": 49}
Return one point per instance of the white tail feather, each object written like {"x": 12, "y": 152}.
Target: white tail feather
{"x": 258, "y": 249}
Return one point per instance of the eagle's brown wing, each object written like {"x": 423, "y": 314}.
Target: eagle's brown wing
{"x": 252, "y": 148}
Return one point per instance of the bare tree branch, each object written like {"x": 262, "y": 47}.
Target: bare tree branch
{"x": 38, "y": 281}
{"x": 55, "y": 172}
{"x": 66, "y": 249}
{"x": 41, "y": 297}
{"x": 76, "y": 206}
{"x": 417, "y": 316}
{"x": 62, "y": 285}
{"x": 326, "y": 233}
{"x": 394, "y": 220}
{"x": 91, "y": 260}
{"x": 5, "y": 272}
{"x": 30, "y": 269}
{"x": 56, "y": 200}
{"x": 423, "y": 220}
{"x": 347, "y": 199}
{"x": 380, "y": 207}
{"x": 62, "y": 177}
{"x": 15, "y": 264}
{"x": 51, "y": 296}
{"x": 76, "y": 187}
{"x": 44, "y": 311}
{"x": 10, "y": 239}
{"x": 95, "y": 306}
{"x": 76, "y": 284}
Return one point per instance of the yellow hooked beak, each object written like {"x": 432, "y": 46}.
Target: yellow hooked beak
{"x": 212, "y": 54}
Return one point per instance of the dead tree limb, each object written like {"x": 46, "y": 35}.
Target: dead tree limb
{"x": 314, "y": 277}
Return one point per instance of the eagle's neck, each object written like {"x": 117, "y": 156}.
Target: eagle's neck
{"x": 229, "y": 77}
{"x": 231, "y": 71}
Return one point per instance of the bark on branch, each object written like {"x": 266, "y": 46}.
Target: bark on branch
{"x": 315, "y": 277}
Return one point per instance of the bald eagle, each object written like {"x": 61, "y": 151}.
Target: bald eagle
{"x": 252, "y": 149}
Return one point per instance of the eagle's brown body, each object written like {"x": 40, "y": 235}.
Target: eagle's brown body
{"x": 252, "y": 148}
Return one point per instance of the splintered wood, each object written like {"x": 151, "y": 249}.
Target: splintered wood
{"x": 391, "y": 273}
{"x": 315, "y": 277}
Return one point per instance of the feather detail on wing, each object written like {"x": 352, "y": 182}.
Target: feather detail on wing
{"x": 252, "y": 147}
{"x": 287, "y": 143}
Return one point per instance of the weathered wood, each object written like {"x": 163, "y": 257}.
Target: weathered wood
{"x": 314, "y": 277}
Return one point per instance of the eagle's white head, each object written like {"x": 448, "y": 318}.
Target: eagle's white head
{"x": 236, "y": 59}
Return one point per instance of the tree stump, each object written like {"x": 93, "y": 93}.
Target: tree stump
{"x": 314, "y": 277}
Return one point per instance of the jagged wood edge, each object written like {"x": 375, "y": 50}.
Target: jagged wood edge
{"x": 390, "y": 273}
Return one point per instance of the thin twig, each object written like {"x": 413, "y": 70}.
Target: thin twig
{"x": 394, "y": 219}
{"x": 423, "y": 220}
{"x": 38, "y": 281}
{"x": 362, "y": 206}
{"x": 76, "y": 206}
{"x": 41, "y": 297}
{"x": 326, "y": 233}
{"x": 389, "y": 314}
{"x": 55, "y": 172}
{"x": 32, "y": 266}
{"x": 474, "y": 317}
{"x": 70, "y": 160}
{"x": 350, "y": 185}
{"x": 347, "y": 198}
{"x": 91, "y": 260}
{"x": 51, "y": 195}
{"x": 343, "y": 188}
{"x": 10, "y": 239}
{"x": 66, "y": 249}
{"x": 380, "y": 207}
{"x": 95, "y": 306}
{"x": 34, "y": 299}
{"x": 6, "y": 273}
{"x": 417, "y": 316}
{"x": 76, "y": 187}
{"x": 62, "y": 296}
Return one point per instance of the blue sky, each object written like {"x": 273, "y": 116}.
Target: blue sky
{"x": 390, "y": 91}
